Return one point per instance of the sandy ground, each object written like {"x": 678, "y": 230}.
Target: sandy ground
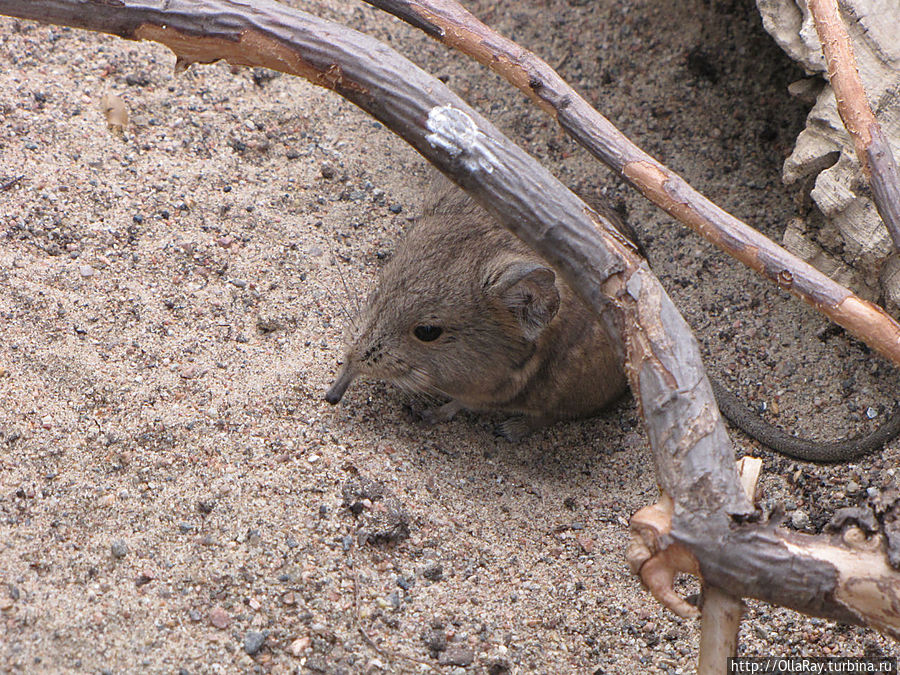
{"x": 175, "y": 496}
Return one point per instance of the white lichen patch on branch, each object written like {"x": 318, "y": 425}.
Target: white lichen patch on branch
{"x": 455, "y": 132}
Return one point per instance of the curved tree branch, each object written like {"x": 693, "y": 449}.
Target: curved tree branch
{"x": 450, "y": 23}
{"x": 872, "y": 147}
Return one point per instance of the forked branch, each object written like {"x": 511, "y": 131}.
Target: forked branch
{"x": 450, "y": 23}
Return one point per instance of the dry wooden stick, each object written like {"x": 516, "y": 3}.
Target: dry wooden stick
{"x": 872, "y": 147}
{"x": 11, "y": 182}
{"x": 450, "y": 23}
{"x": 706, "y": 524}
{"x": 722, "y": 612}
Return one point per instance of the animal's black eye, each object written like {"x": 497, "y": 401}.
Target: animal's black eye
{"x": 428, "y": 333}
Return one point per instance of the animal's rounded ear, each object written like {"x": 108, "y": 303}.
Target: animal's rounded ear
{"x": 528, "y": 290}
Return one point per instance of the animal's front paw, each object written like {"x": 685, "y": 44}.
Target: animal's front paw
{"x": 514, "y": 429}
{"x": 430, "y": 416}
{"x": 444, "y": 413}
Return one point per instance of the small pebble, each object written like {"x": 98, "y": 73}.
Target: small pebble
{"x": 317, "y": 664}
{"x": 433, "y": 571}
{"x": 435, "y": 640}
{"x": 188, "y": 372}
{"x": 86, "y": 271}
{"x": 119, "y": 549}
{"x": 254, "y": 640}
{"x": 800, "y": 519}
{"x": 395, "y": 208}
{"x": 871, "y": 413}
{"x": 457, "y": 655}
{"x": 219, "y": 618}
{"x": 586, "y": 543}
{"x": 327, "y": 171}
{"x": 299, "y": 645}
{"x": 144, "y": 578}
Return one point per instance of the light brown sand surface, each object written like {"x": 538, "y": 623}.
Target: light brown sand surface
{"x": 173, "y": 488}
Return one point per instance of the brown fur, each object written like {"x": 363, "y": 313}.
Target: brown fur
{"x": 516, "y": 339}
{"x": 505, "y": 346}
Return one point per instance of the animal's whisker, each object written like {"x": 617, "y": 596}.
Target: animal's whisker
{"x": 414, "y": 383}
{"x": 336, "y": 301}
{"x": 425, "y": 387}
{"x": 350, "y": 296}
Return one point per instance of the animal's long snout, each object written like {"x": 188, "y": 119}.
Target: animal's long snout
{"x": 344, "y": 378}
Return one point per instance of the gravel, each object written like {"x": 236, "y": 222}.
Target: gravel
{"x": 254, "y": 641}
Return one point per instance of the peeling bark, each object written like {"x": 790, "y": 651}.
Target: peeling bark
{"x": 825, "y": 158}
{"x": 871, "y": 145}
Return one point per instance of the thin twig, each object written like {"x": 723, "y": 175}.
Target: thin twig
{"x": 872, "y": 147}
{"x": 450, "y": 23}
{"x": 721, "y": 619}
{"x": 11, "y": 182}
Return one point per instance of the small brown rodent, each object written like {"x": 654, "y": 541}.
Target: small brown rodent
{"x": 466, "y": 311}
